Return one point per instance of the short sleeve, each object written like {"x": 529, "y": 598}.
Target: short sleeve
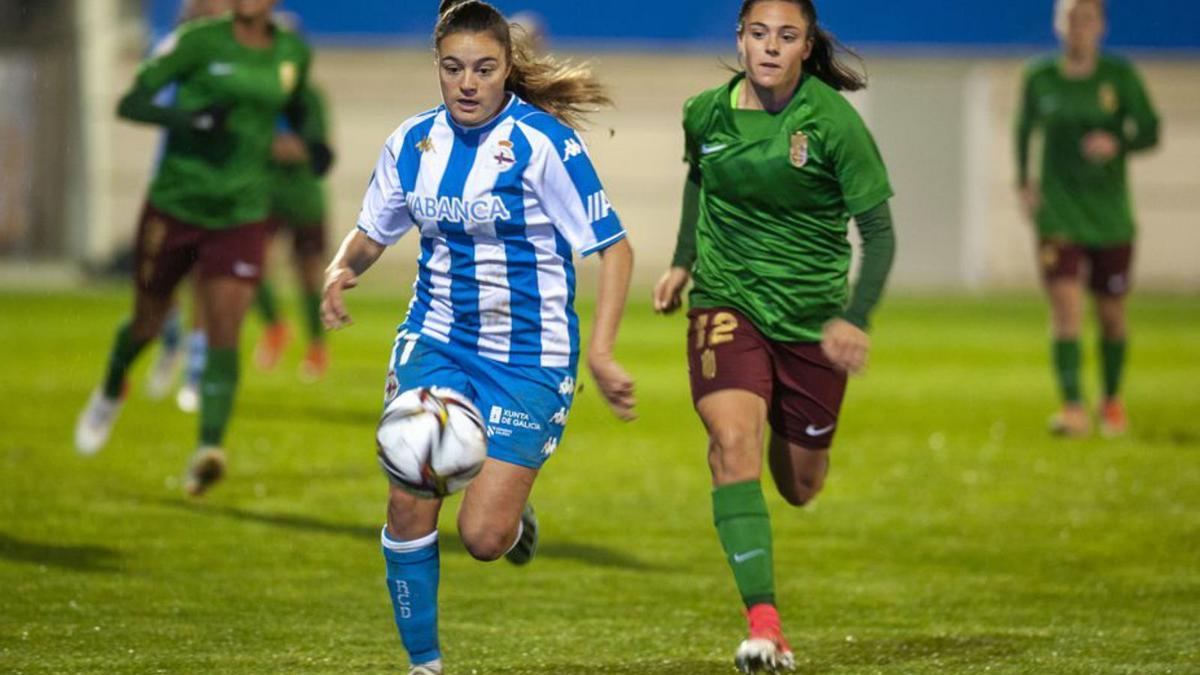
{"x": 384, "y": 216}
{"x": 858, "y": 164}
{"x": 572, "y": 196}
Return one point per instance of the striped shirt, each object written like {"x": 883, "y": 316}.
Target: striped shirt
{"x": 501, "y": 209}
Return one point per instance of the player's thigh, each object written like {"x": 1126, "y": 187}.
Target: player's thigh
{"x": 809, "y": 391}
{"x": 1061, "y": 265}
{"x": 164, "y": 251}
{"x": 799, "y": 472}
{"x": 1110, "y": 281}
{"x": 729, "y": 370}
{"x": 225, "y": 300}
{"x": 417, "y": 361}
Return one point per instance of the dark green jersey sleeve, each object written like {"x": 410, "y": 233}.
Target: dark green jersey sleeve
{"x": 177, "y": 56}
{"x": 857, "y": 161}
{"x": 1141, "y": 121}
{"x": 1023, "y": 132}
{"x": 685, "y": 241}
{"x": 878, "y": 252}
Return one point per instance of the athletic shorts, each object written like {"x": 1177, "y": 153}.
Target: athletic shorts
{"x": 167, "y": 248}
{"x": 802, "y": 388}
{"x": 307, "y": 240}
{"x": 525, "y": 407}
{"x": 1108, "y": 268}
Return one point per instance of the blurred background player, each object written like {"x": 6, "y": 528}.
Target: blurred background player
{"x": 1093, "y": 112}
{"x": 778, "y": 162}
{"x": 503, "y": 193}
{"x": 207, "y": 206}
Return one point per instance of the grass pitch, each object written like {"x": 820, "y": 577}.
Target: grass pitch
{"x": 954, "y": 535}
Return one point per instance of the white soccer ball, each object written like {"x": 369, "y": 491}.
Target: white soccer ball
{"x": 431, "y": 441}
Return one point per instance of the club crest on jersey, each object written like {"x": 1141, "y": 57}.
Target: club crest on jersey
{"x": 1108, "y": 98}
{"x": 799, "y": 149}
{"x": 504, "y": 157}
{"x": 426, "y": 145}
{"x": 288, "y": 74}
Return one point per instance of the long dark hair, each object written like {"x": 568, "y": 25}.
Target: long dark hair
{"x": 823, "y": 62}
{"x": 567, "y": 91}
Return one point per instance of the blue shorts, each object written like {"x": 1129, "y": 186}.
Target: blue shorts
{"x": 525, "y": 407}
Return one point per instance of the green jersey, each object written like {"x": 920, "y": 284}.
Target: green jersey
{"x": 776, "y": 194}
{"x": 217, "y": 179}
{"x": 1084, "y": 202}
{"x": 297, "y": 193}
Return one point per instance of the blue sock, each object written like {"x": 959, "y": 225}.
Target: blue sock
{"x": 197, "y": 356}
{"x": 412, "y": 579}
{"x": 171, "y": 331}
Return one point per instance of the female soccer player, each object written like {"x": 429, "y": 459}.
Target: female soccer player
{"x": 1093, "y": 112}
{"x": 778, "y": 162}
{"x": 502, "y": 190}
{"x": 207, "y": 203}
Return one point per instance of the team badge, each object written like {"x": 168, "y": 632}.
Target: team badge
{"x": 799, "y": 149}
{"x": 426, "y": 145}
{"x": 1049, "y": 255}
{"x": 288, "y": 76}
{"x": 1108, "y": 98}
{"x": 504, "y": 157}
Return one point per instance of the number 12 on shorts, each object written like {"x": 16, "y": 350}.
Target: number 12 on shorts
{"x": 710, "y": 331}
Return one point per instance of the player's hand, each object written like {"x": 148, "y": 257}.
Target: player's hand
{"x": 287, "y": 148}
{"x": 668, "y": 292}
{"x": 615, "y": 385}
{"x": 1031, "y": 199}
{"x": 210, "y": 120}
{"x": 333, "y": 308}
{"x": 846, "y": 345}
{"x": 1100, "y": 147}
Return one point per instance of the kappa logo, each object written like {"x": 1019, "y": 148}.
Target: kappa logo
{"x": 572, "y": 148}
{"x": 560, "y": 417}
{"x": 567, "y": 387}
{"x": 598, "y": 206}
{"x": 550, "y": 446}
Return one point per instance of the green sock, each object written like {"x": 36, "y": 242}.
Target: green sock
{"x": 744, "y": 528}
{"x": 265, "y": 301}
{"x": 124, "y": 351}
{"x": 1066, "y": 366}
{"x": 1113, "y": 358}
{"x": 312, "y": 315}
{"x": 217, "y": 387}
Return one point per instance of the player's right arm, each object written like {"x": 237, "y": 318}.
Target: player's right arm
{"x": 176, "y": 57}
{"x": 1027, "y": 189}
{"x": 668, "y": 292}
{"x": 383, "y": 220}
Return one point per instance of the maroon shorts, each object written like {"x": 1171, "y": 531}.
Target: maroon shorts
{"x": 802, "y": 389}
{"x": 168, "y": 247}
{"x": 1107, "y": 267}
{"x": 307, "y": 240}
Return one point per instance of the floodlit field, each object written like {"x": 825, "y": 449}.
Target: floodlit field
{"x": 954, "y": 535}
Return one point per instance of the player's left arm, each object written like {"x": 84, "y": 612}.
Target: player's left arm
{"x": 571, "y": 194}
{"x": 865, "y": 190}
{"x": 1141, "y": 124}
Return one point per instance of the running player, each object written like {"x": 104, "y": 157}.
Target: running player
{"x": 1092, "y": 112}
{"x": 502, "y": 192}
{"x": 778, "y": 162}
{"x": 207, "y": 203}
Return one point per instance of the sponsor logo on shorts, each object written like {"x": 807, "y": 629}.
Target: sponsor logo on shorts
{"x": 242, "y": 268}
{"x": 1117, "y": 284}
{"x": 550, "y": 446}
{"x": 503, "y": 422}
{"x": 812, "y": 430}
{"x": 567, "y": 387}
{"x": 560, "y": 417}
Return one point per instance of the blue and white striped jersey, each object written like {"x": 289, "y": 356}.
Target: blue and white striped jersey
{"x": 501, "y": 208}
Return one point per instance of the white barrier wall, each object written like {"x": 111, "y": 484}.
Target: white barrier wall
{"x": 944, "y": 126}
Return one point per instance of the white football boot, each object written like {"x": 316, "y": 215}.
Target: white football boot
{"x": 432, "y": 668}
{"x": 95, "y": 423}
{"x": 162, "y": 374}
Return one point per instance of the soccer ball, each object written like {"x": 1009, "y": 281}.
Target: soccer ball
{"x": 431, "y": 441}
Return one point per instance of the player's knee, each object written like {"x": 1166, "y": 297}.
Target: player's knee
{"x": 801, "y": 493}
{"x": 486, "y": 545}
{"x": 732, "y": 451}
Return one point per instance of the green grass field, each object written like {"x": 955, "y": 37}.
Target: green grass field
{"x": 954, "y": 535}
